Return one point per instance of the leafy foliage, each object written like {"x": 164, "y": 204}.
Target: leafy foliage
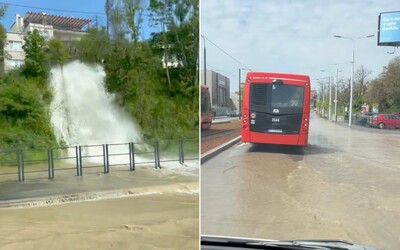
{"x": 25, "y": 97}
{"x": 94, "y": 46}
{"x": 35, "y": 58}
{"x": 3, "y": 54}
{"x": 382, "y": 92}
{"x": 57, "y": 53}
{"x": 24, "y": 118}
{"x": 385, "y": 90}
{"x": 155, "y": 80}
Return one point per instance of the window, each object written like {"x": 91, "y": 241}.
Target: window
{"x": 16, "y": 63}
{"x": 287, "y": 96}
{"x": 15, "y": 45}
{"x": 45, "y": 33}
{"x": 205, "y": 103}
{"x": 265, "y": 97}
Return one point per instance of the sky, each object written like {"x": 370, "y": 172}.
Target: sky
{"x": 90, "y": 9}
{"x": 293, "y": 36}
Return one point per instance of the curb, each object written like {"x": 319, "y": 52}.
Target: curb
{"x": 214, "y": 152}
{"x": 180, "y": 188}
{"x": 61, "y": 199}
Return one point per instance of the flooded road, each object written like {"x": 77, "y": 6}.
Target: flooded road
{"x": 168, "y": 221}
{"x": 144, "y": 209}
{"x": 344, "y": 185}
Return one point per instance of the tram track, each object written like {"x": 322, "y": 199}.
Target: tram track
{"x": 212, "y": 134}
{"x": 219, "y": 134}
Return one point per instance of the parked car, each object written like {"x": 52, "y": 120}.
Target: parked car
{"x": 364, "y": 119}
{"x": 385, "y": 121}
{"x": 234, "y": 113}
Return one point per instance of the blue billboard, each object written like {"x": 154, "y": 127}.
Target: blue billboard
{"x": 389, "y": 29}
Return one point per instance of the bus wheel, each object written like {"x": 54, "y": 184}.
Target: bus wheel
{"x": 381, "y": 125}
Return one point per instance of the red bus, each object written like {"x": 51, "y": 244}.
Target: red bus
{"x": 276, "y": 108}
{"x": 206, "y": 112}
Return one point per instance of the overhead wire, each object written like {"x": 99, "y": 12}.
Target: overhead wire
{"x": 226, "y": 53}
{"x": 52, "y": 9}
{"x": 61, "y": 10}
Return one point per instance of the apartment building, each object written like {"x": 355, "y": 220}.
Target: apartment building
{"x": 49, "y": 26}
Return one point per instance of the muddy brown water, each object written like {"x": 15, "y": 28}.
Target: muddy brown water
{"x": 344, "y": 185}
{"x": 145, "y": 209}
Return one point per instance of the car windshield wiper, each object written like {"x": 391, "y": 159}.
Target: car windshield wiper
{"x": 212, "y": 242}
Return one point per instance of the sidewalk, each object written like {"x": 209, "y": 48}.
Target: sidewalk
{"x": 143, "y": 179}
{"x": 355, "y": 126}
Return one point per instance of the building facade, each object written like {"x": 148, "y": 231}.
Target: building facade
{"x": 219, "y": 86}
{"x": 49, "y": 26}
{"x": 15, "y": 55}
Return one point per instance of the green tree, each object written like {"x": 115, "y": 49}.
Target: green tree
{"x": 57, "y": 53}
{"x": 134, "y": 18}
{"x": 3, "y": 54}
{"x": 164, "y": 100}
{"x": 385, "y": 90}
{"x": 24, "y": 120}
{"x": 361, "y": 79}
{"x": 35, "y": 56}
{"x": 94, "y": 46}
{"x": 116, "y": 26}
{"x": 3, "y": 38}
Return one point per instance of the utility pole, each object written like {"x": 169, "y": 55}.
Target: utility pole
{"x": 352, "y": 71}
{"x": 205, "y": 61}
{"x": 336, "y": 92}
{"x": 330, "y": 99}
{"x": 323, "y": 99}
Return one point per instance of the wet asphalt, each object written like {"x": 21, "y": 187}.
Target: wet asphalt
{"x": 344, "y": 185}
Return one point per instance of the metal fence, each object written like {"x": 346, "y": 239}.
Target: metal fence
{"x": 47, "y": 161}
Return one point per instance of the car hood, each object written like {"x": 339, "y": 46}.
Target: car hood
{"x": 207, "y": 241}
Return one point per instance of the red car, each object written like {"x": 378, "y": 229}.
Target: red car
{"x": 385, "y": 121}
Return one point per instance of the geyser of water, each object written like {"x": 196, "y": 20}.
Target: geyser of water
{"x": 82, "y": 113}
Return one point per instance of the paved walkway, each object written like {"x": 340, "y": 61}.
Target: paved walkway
{"x": 117, "y": 179}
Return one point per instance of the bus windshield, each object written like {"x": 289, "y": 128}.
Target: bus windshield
{"x": 276, "y": 98}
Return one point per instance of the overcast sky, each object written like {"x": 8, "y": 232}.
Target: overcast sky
{"x": 293, "y": 36}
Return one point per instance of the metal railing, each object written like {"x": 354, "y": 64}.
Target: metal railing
{"x": 105, "y": 156}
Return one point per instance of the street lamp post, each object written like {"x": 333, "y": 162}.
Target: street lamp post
{"x": 352, "y": 71}
{"x": 240, "y": 91}
{"x": 330, "y": 95}
{"x": 336, "y": 101}
{"x": 205, "y": 62}
{"x": 323, "y": 100}
{"x": 330, "y": 99}
{"x": 335, "y": 82}
{"x": 240, "y": 96}
{"x": 336, "y": 92}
